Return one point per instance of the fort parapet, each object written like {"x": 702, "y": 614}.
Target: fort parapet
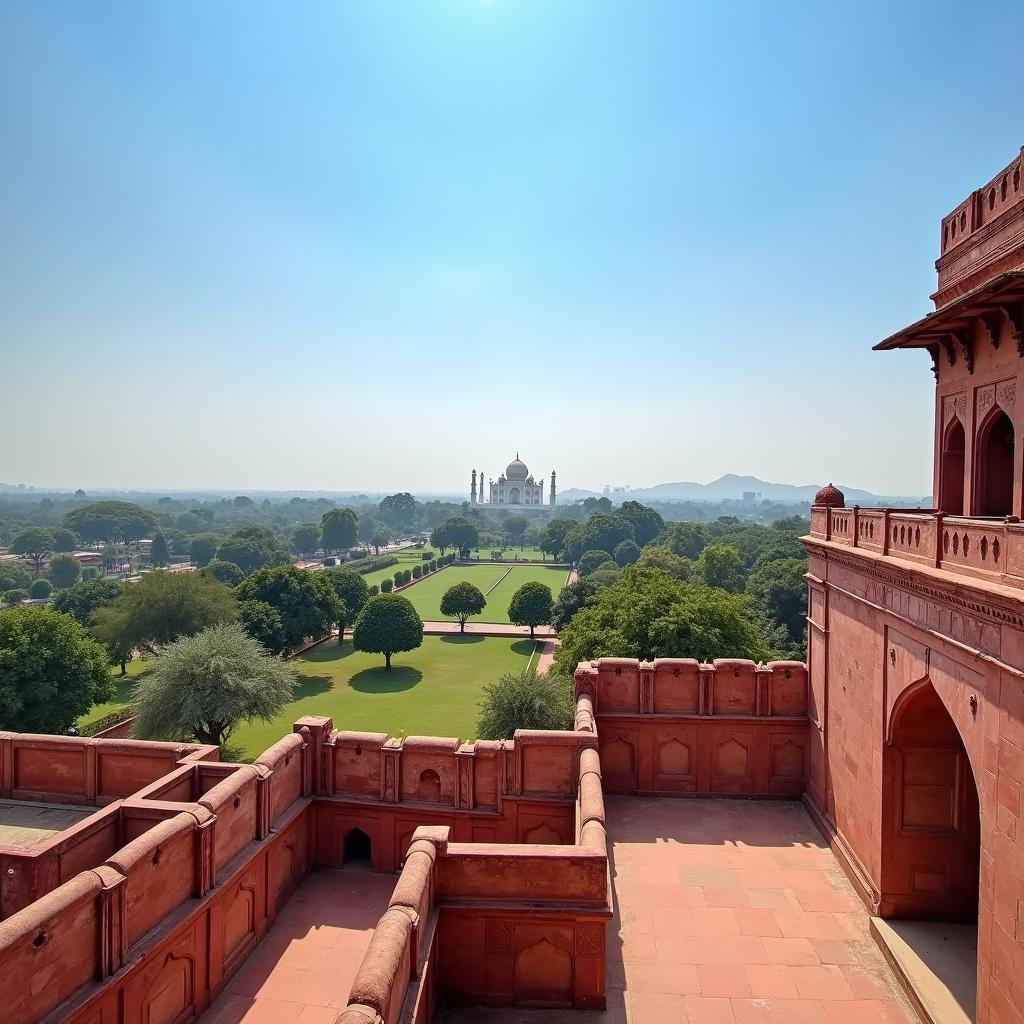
{"x": 142, "y": 910}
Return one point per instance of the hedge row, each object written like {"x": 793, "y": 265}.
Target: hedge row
{"x": 120, "y": 715}
{"x": 365, "y": 565}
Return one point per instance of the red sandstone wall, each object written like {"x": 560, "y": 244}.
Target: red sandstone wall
{"x": 676, "y": 726}
{"x": 876, "y": 632}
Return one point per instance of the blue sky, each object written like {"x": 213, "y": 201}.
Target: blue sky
{"x": 374, "y": 245}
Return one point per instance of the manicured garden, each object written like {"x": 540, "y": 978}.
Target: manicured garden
{"x": 431, "y": 691}
{"x": 426, "y": 595}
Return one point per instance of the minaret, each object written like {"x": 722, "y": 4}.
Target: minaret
{"x": 472, "y": 490}
{"x": 552, "y": 498}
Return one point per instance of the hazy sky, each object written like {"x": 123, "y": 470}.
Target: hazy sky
{"x": 375, "y": 245}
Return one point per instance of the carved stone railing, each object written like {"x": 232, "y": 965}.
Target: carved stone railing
{"x": 986, "y": 548}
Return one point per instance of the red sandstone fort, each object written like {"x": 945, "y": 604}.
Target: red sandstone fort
{"x": 575, "y": 875}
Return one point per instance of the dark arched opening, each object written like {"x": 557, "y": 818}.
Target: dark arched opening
{"x": 931, "y": 832}
{"x": 357, "y": 849}
{"x": 995, "y": 467}
{"x": 954, "y": 446}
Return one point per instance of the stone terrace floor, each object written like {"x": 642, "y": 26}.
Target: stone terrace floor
{"x": 302, "y": 971}
{"x": 729, "y": 912}
{"x": 25, "y": 824}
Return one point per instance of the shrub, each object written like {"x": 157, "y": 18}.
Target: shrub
{"x": 386, "y": 586}
{"x": 375, "y": 589}
{"x": 417, "y": 572}
{"x": 433, "y": 565}
{"x": 13, "y": 597}
{"x": 399, "y": 578}
{"x": 40, "y": 589}
{"x": 525, "y": 700}
{"x": 90, "y": 572}
{"x": 330, "y": 561}
{"x": 427, "y": 555}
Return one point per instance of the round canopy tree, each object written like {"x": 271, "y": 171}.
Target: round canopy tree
{"x": 203, "y": 547}
{"x": 35, "y": 544}
{"x": 226, "y": 572}
{"x": 387, "y": 624}
{"x": 262, "y": 623}
{"x": 590, "y": 560}
{"x": 626, "y": 553}
{"x": 51, "y": 670}
{"x": 353, "y": 592}
{"x": 111, "y": 521}
{"x": 531, "y": 605}
{"x": 64, "y": 539}
{"x": 201, "y": 687}
{"x": 339, "y": 529}
{"x": 463, "y": 600}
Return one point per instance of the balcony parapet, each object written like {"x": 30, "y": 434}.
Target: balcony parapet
{"x": 985, "y": 548}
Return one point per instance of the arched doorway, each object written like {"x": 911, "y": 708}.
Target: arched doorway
{"x": 931, "y": 831}
{"x": 995, "y": 461}
{"x": 514, "y": 496}
{"x": 954, "y": 446}
{"x": 357, "y": 848}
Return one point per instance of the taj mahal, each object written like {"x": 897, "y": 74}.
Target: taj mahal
{"x": 516, "y": 486}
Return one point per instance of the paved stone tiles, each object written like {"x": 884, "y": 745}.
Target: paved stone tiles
{"x": 733, "y": 911}
{"x": 25, "y": 824}
{"x": 302, "y": 971}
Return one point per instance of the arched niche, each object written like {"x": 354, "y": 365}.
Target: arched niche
{"x": 995, "y": 460}
{"x": 951, "y": 480}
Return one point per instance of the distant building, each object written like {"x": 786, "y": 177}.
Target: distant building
{"x": 516, "y": 486}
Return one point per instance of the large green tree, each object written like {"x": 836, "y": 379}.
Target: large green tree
{"x": 82, "y": 600}
{"x": 604, "y": 532}
{"x": 590, "y": 560}
{"x": 439, "y": 538}
{"x": 305, "y": 600}
{"x": 461, "y": 601}
{"x": 111, "y": 521}
{"x": 720, "y": 566}
{"x": 339, "y": 529}
{"x": 399, "y": 511}
{"x": 552, "y": 540}
{"x": 226, "y": 572}
{"x": 64, "y": 539}
{"x": 353, "y": 592}
{"x": 14, "y": 576}
{"x": 35, "y": 544}
{"x": 253, "y": 547}
{"x": 687, "y": 540}
{"x": 462, "y": 533}
{"x": 161, "y": 607}
{"x": 649, "y": 614}
{"x": 387, "y": 625}
{"x": 201, "y": 687}
{"x": 646, "y": 523}
{"x": 531, "y": 605}
{"x": 381, "y": 539}
{"x": 51, "y": 671}
{"x": 262, "y": 623}
{"x": 778, "y": 591}
{"x": 305, "y": 538}
{"x": 203, "y": 547}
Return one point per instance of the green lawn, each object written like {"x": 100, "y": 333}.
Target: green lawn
{"x": 122, "y": 691}
{"x": 431, "y": 691}
{"x": 426, "y": 595}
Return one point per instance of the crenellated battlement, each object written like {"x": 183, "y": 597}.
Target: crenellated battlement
{"x": 679, "y": 726}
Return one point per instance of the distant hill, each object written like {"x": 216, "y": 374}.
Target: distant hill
{"x": 731, "y": 487}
